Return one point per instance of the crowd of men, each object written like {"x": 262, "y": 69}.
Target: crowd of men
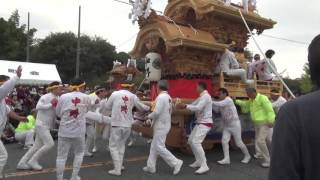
{"x": 78, "y": 112}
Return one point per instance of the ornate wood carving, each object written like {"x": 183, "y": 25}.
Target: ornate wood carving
{"x": 188, "y": 63}
{"x": 224, "y": 29}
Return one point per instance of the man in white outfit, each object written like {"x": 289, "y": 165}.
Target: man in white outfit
{"x": 45, "y": 120}
{"x": 6, "y": 87}
{"x": 161, "y": 117}
{"x": 204, "y": 123}
{"x": 228, "y": 64}
{"x": 96, "y": 99}
{"x": 72, "y": 108}
{"x": 266, "y": 68}
{"x": 231, "y": 127}
{"x": 277, "y": 102}
{"x": 121, "y": 104}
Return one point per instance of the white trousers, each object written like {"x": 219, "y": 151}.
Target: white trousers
{"x": 64, "y": 146}
{"x": 245, "y": 5}
{"x": 25, "y": 137}
{"x": 42, "y": 145}
{"x": 91, "y": 134}
{"x": 3, "y": 157}
{"x": 233, "y": 129}
{"x": 269, "y": 138}
{"x": 262, "y": 132}
{"x": 195, "y": 140}
{"x": 117, "y": 145}
{"x": 158, "y": 148}
{"x": 242, "y": 73}
{"x": 228, "y": 2}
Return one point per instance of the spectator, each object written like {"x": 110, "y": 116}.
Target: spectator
{"x": 296, "y": 145}
{"x": 24, "y": 133}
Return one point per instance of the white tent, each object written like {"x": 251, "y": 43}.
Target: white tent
{"x": 32, "y": 73}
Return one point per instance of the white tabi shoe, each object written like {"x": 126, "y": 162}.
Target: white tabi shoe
{"x": 94, "y": 150}
{"x": 224, "y": 162}
{"x": 76, "y": 178}
{"x": 195, "y": 165}
{"x": 177, "y": 168}
{"x": 202, "y": 170}
{"x": 130, "y": 144}
{"x": 23, "y": 166}
{"x": 265, "y": 165}
{"x": 246, "y": 160}
{"x": 149, "y": 170}
{"x": 35, "y": 166}
{"x": 114, "y": 172}
{"x": 88, "y": 154}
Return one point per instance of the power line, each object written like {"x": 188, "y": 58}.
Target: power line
{"x": 127, "y": 41}
{"x": 284, "y": 39}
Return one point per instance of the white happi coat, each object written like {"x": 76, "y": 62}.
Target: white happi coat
{"x": 121, "y": 104}
{"x": 227, "y": 62}
{"x": 203, "y": 108}
{"x": 46, "y": 115}
{"x": 278, "y": 103}
{"x": 5, "y": 89}
{"x": 72, "y": 109}
{"x": 161, "y": 115}
{"x": 228, "y": 110}
{"x": 264, "y": 70}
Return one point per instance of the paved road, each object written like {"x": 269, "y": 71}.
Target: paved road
{"x": 96, "y": 168}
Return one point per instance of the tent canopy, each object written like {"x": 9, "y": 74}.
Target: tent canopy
{"x": 32, "y": 73}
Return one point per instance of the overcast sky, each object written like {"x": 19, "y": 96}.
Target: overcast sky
{"x": 109, "y": 19}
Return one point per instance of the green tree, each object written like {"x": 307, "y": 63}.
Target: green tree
{"x": 97, "y": 55}
{"x": 306, "y": 83}
{"x": 13, "y": 38}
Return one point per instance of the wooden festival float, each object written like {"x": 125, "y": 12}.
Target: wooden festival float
{"x": 189, "y": 38}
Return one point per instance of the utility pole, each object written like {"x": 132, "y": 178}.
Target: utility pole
{"x": 78, "y": 46}
{"x": 28, "y": 39}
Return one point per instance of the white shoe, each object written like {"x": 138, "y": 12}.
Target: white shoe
{"x": 224, "y": 162}
{"x": 76, "y": 178}
{"x": 257, "y": 156}
{"x": 149, "y": 141}
{"x": 177, "y": 168}
{"x": 27, "y": 147}
{"x": 149, "y": 170}
{"x": 202, "y": 170}
{"x": 246, "y": 160}
{"x": 265, "y": 165}
{"x": 130, "y": 144}
{"x": 35, "y": 166}
{"x": 114, "y": 172}
{"x": 195, "y": 165}
{"x": 23, "y": 166}
{"x": 88, "y": 154}
{"x": 123, "y": 168}
{"x": 94, "y": 150}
